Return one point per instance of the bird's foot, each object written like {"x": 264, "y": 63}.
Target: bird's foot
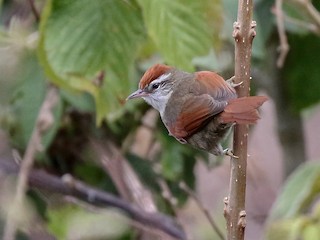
{"x": 232, "y": 84}
{"x": 229, "y": 153}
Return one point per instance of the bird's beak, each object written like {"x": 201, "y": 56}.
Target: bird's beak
{"x": 137, "y": 94}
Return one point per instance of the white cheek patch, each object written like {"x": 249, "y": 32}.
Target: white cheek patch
{"x": 159, "y": 98}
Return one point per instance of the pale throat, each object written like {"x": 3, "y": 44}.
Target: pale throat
{"x": 159, "y": 102}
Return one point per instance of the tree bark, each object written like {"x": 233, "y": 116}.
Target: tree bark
{"x": 244, "y": 32}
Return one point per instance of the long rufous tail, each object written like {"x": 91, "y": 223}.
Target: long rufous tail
{"x": 243, "y": 110}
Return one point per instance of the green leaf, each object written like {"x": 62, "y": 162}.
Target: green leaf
{"x": 177, "y": 163}
{"x": 305, "y": 226}
{"x": 71, "y": 222}
{"x": 172, "y": 162}
{"x": 287, "y": 219}
{"x": 27, "y": 100}
{"x": 289, "y": 229}
{"x": 172, "y": 156}
{"x": 311, "y": 232}
{"x": 298, "y": 192}
{"x": 178, "y": 28}
{"x": 80, "y": 100}
{"x": 80, "y": 39}
{"x": 145, "y": 172}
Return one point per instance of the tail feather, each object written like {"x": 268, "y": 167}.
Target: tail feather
{"x": 243, "y": 110}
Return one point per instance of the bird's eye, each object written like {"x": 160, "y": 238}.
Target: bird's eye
{"x": 155, "y": 86}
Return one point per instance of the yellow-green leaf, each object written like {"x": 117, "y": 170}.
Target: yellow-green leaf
{"x": 298, "y": 192}
{"x": 80, "y": 39}
{"x": 178, "y": 28}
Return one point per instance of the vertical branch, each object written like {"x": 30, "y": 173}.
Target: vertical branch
{"x": 44, "y": 121}
{"x": 244, "y": 32}
{"x": 284, "y": 46}
{"x": 34, "y": 10}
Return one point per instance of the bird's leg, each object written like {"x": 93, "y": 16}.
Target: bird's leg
{"x": 230, "y": 81}
{"x": 229, "y": 153}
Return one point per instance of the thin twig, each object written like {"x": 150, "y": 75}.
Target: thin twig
{"x": 34, "y": 10}
{"x": 189, "y": 191}
{"x": 43, "y": 123}
{"x": 166, "y": 193}
{"x": 312, "y": 12}
{"x": 280, "y": 16}
{"x": 132, "y": 223}
{"x": 112, "y": 164}
{"x": 302, "y": 24}
{"x": 124, "y": 176}
{"x": 168, "y": 196}
{"x": 109, "y": 156}
{"x": 69, "y": 186}
{"x": 284, "y": 46}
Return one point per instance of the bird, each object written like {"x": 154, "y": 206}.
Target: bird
{"x": 197, "y": 108}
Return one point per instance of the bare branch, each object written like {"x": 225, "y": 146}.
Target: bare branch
{"x": 312, "y": 12}
{"x": 243, "y": 33}
{"x": 127, "y": 181}
{"x": 167, "y": 194}
{"x": 144, "y": 136}
{"x": 43, "y": 123}
{"x": 284, "y": 46}
{"x": 132, "y": 223}
{"x": 34, "y": 10}
{"x": 125, "y": 176}
{"x": 213, "y": 224}
{"x": 302, "y": 24}
{"x": 314, "y": 27}
{"x": 71, "y": 187}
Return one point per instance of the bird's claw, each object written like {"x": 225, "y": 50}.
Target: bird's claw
{"x": 232, "y": 84}
{"x": 229, "y": 153}
{"x": 182, "y": 140}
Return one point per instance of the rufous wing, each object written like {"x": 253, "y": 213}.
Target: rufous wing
{"x": 211, "y": 93}
{"x": 195, "y": 113}
{"x": 214, "y": 85}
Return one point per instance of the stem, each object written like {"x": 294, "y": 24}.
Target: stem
{"x": 312, "y": 12}
{"x": 34, "y": 10}
{"x": 284, "y": 46}
{"x": 205, "y": 211}
{"x": 69, "y": 186}
{"x": 243, "y": 34}
{"x": 43, "y": 123}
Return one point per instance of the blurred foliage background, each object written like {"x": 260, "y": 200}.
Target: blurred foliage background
{"x": 95, "y": 53}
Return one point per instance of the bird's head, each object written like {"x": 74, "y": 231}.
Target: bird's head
{"x": 155, "y": 86}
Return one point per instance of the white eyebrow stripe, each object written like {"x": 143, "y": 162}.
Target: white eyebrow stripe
{"x": 162, "y": 78}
